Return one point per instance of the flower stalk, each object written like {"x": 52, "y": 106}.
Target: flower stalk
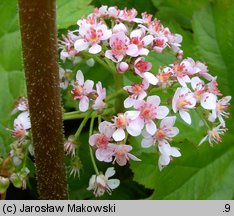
{"x": 39, "y": 41}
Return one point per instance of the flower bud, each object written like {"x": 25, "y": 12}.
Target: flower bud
{"x": 122, "y": 67}
{"x": 90, "y": 62}
{"x": 4, "y": 184}
{"x": 16, "y": 181}
{"x": 179, "y": 54}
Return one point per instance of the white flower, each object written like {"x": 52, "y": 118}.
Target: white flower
{"x": 101, "y": 183}
{"x": 183, "y": 100}
{"x": 166, "y": 154}
{"x": 207, "y": 100}
{"x": 21, "y": 125}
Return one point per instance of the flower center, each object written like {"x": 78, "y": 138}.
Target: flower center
{"x": 120, "y": 121}
{"x": 77, "y": 91}
{"x": 102, "y": 141}
{"x": 142, "y": 66}
{"x": 160, "y": 134}
{"x": 118, "y": 47}
{"x": 146, "y": 113}
{"x": 137, "y": 88}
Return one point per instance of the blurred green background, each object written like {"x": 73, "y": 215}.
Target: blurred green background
{"x": 202, "y": 172}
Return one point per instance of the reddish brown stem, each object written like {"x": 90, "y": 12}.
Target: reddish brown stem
{"x": 39, "y": 41}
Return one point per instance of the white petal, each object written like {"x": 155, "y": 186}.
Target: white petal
{"x": 148, "y": 39}
{"x": 175, "y": 152}
{"x": 88, "y": 86}
{"x": 151, "y": 127}
{"x": 185, "y": 116}
{"x": 164, "y": 160}
{"x": 110, "y": 172}
{"x": 119, "y": 134}
{"x": 155, "y": 100}
{"x": 113, "y": 183}
{"x": 168, "y": 121}
{"x": 133, "y": 157}
{"x": 208, "y": 101}
{"x": 80, "y": 77}
{"x": 146, "y": 143}
{"x": 128, "y": 102}
{"x": 81, "y": 45}
{"x": 162, "y": 112}
{"x": 84, "y": 104}
{"x": 96, "y": 48}
{"x": 152, "y": 79}
{"x": 132, "y": 50}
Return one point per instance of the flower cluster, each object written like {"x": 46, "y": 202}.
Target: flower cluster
{"x": 12, "y": 170}
{"x": 121, "y": 41}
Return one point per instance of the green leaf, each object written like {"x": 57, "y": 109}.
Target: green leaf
{"x": 69, "y": 12}
{"x": 202, "y": 172}
{"x": 179, "y": 11}
{"x": 12, "y": 83}
{"x": 214, "y": 40}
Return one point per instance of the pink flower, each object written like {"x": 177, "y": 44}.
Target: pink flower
{"x": 159, "y": 43}
{"x": 141, "y": 40}
{"x": 121, "y": 154}
{"x": 214, "y": 135}
{"x": 67, "y": 46}
{"x": 183, "y": 100}
{"x": 174, "y": 41}
{"x": 122, "y": 122}
{"x": 204, "y": 71}
{"x": 190, "y": 66}
{"x": 119, "y": 47}
{"x": 148, "y": 111}
{"x": 21, "y": 125}
{"x": 99, "y": 104}
{"x": 142, "y": 67}
{"x": 163, "y": 134}
{"x": 212, "y": 87}
{"x": 207, "y": 100}
{"x": 101, "y": 183}
{"x": 101, "y": 141}
{"x": 21, "y": 104}
{"x": 136, "y": 92}
{"x": 180, "y": 72}
{"x": 128, "y": 15}
{"x": 220, "y": 110}
{"x": 164, "y": 76}
{"x": 91, "y": 35}
{"x": 81, "y": 90}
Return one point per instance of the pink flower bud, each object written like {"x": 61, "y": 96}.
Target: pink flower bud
{"x": 122, "y": 67}
{"x": 179, "y": 54}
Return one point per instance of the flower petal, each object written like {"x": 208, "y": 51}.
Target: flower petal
{"x": 119, "y": 134}
{"x": 151, "y": 78}
{"x": 162, "y": 112}
{"x": 84, "y": 104}
{"x": 185, "y": 116}
{"x": 96, "y": 48}
{"x": 208, "y": 101}
{"x": 151, "y": 127}
{"x": 81, "y": 45}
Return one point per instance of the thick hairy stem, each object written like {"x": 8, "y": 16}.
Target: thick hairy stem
{"x": 39, "y": 40}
